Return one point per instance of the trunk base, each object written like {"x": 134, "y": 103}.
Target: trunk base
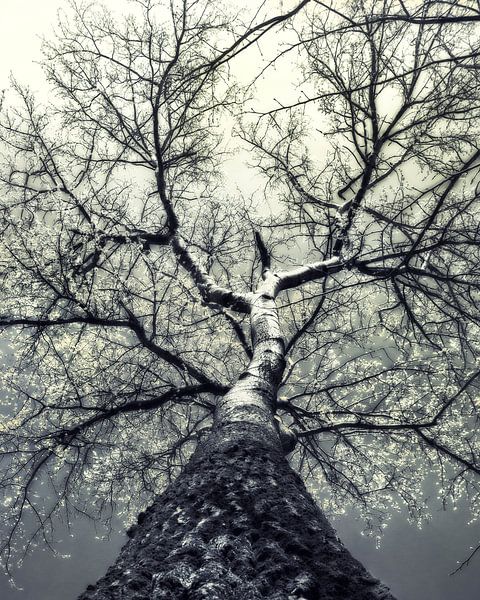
{"x": 238, "y": 524}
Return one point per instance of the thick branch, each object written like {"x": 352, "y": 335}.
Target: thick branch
{"x": 263, "y": 252}
{"x": 209, "y": 290}
{"x": 172, "y": 395}
{"x": 134, "y": 325}
{"x": 309, "y": 272}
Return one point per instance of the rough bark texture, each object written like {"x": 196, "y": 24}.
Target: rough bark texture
{"x": 238, "y": 524}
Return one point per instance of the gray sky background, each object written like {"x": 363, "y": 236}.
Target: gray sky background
{"x": 414, "y": 563}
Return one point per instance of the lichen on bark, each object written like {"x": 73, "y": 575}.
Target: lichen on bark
{"x": 238, "y": 524}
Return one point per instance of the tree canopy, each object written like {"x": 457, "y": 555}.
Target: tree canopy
{"x": 130, "y": 253}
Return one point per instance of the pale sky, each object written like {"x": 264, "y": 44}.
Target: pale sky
{"x": 23, "y": 21}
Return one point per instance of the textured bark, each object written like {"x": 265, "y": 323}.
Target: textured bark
{"x": 238, "y": 524}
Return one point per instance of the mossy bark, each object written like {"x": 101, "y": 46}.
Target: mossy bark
{"x": 238, "y": 524}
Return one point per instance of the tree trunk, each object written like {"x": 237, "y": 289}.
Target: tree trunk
{"x": 238, "y": 524}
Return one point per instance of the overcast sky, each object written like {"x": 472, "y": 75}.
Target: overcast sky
{"x": 415, "y": 564}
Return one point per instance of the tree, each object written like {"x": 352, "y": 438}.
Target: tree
{"x": 133, "y": 278}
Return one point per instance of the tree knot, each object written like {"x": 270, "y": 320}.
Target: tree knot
{"x": 288, "y": 438}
